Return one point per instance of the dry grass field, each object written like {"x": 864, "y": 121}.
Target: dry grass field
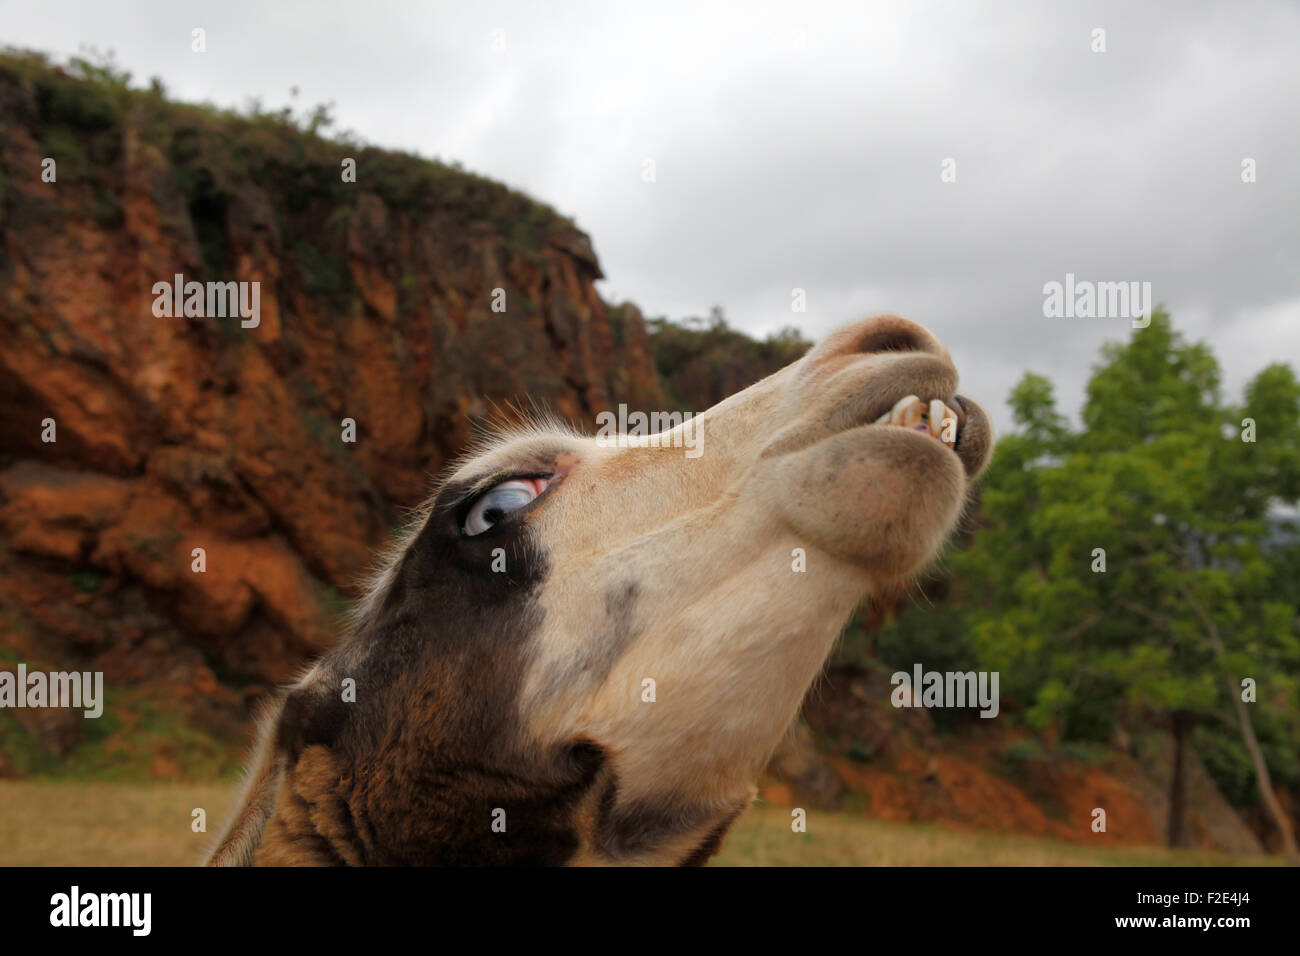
{"x": 762, "y": 837}
{"x": 71, "y": 823}
{"x": 68, "y": 823}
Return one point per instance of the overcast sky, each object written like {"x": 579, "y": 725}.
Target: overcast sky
{"x": 800, "y": 145}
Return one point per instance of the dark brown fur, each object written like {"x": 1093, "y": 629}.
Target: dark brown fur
{"x": 413, "y": 770}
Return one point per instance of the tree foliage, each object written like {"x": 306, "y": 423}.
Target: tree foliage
{"x": 1141, "y": 567}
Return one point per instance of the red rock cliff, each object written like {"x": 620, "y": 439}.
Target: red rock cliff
{"x": 376, "y": 305}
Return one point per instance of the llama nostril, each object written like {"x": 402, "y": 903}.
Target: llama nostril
{"x": 889, "y": 341}
{"x": 893, "y": 334}
{"x": 880, "y": 338}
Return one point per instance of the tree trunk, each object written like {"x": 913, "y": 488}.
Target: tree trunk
{"x": 1262, "y": 778}
{"x": 1263, "y": 781}
{"x": 1178, "y": 781}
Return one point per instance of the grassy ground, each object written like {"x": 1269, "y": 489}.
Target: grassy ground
{"x": 762, "y": 837}
{"x": 71, "y": 823}
{"x": 117, "y": 824}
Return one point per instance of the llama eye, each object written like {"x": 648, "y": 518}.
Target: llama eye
{"x": 500, "y": 501}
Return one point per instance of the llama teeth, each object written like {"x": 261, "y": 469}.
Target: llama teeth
{"x": 897, "y": 413}
{"x": 948, "y": 430}
{"x": 914, "y": 416}
{"x": 935, "y": 417}
{"x": 938, "y": 412}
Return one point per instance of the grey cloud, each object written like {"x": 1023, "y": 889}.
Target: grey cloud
{"x": 799, "y": 145}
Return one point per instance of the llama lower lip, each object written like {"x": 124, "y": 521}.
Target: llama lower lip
{"x": 924, "y": 430}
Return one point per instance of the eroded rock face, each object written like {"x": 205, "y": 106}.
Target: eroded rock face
{"x": 177, "y": 434}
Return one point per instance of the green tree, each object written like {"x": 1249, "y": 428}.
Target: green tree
{"x": 1134, "y": 564}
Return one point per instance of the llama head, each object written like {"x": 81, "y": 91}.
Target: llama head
{"x": 585, "y": 651}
